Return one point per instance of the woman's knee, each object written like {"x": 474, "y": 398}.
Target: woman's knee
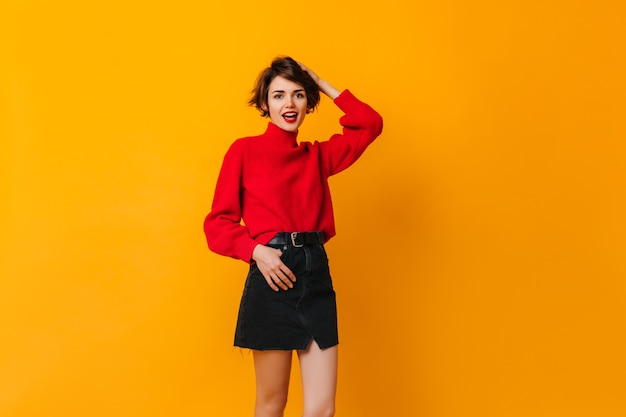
{"x": 271, "y": 403}
{"x": 322, "y": 410}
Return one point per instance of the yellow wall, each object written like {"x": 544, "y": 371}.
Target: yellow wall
{"x": 492, "y": 278}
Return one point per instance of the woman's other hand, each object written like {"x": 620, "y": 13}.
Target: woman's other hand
{"x": 324, "y": 86}
{"x": 275, "y": 272}
{"x": 313, "y": 75}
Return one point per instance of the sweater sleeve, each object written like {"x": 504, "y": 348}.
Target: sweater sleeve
{"x": 222, "y": 226}
{"x": 361, "y": 125}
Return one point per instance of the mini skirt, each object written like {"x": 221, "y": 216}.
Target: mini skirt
{"x": 290, "y": 319}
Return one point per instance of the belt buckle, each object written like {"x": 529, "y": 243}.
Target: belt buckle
{"x": 293, "y": 240}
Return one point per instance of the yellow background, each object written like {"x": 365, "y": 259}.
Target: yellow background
{"x": 480, "y": 258}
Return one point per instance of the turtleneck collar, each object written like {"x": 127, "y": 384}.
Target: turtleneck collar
{"x": 281, "y": 137}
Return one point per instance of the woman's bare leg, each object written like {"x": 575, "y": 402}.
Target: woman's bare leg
{"x": 319, "y": 380}
{"x": 272, "y": 369}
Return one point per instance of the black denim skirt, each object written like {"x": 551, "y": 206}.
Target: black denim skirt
{"x": 290, "y": 319}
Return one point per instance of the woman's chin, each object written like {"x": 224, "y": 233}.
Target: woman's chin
{"x": 288, "y": 126}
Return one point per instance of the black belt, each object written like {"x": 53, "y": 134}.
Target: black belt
{"x": 297, "y": 239}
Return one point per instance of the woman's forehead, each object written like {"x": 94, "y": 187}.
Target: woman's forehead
{"x": 283, "y": 84}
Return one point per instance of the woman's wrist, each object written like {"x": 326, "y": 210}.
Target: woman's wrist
{"x": 328, "y": 89}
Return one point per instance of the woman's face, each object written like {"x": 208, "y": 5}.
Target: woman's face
{"x": 286, "y": 102}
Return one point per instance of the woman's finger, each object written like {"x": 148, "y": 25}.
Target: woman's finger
{"x": 280, "y": 282}
{"x": 308, "y": 71}
{"x": 271, "y": 284}
{"x": 287, "y": 273}
{"x": 285, "y": 279}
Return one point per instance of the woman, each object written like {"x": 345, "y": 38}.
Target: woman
{"x": 279, "y": 188}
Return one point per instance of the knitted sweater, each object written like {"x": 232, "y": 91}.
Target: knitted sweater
{"x": 274, "y": 184}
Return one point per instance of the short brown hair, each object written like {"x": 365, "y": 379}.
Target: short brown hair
{"x": 289, "y": 69}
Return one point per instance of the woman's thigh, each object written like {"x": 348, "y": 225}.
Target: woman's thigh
{"x": 319, "y": 378}
{"x": 272, "y": 370}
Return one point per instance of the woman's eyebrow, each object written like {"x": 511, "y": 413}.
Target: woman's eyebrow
{"x": 299, "y": 90}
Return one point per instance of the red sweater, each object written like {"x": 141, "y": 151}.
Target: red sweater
{"x": 274, "y": 184}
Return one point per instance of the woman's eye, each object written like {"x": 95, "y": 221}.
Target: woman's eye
{"x": 278, "y": 96}
{"x": 300, "y": 95}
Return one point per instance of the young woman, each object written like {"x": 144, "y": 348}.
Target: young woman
{"x": 279, "y": 188}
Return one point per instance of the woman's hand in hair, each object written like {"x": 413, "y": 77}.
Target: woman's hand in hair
{"x": 324, "y": 86}
{"x": 275, "y": 272}
{"x": 313, "y": 75}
